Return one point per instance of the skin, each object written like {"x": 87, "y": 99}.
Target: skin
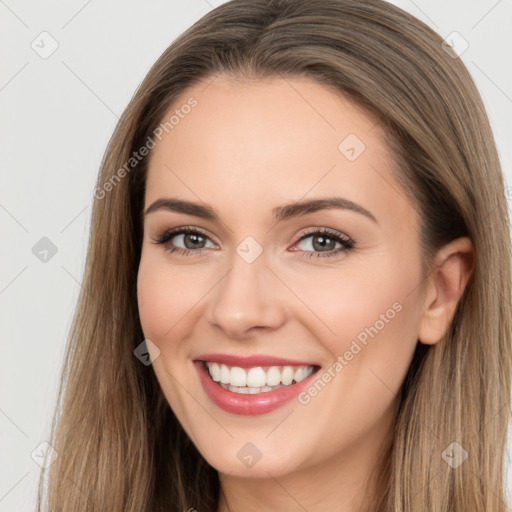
{"x": 247, "y": 147}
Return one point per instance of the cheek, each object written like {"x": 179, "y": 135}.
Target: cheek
{"x": 372, "y": 318}
{"x": 372, "y": 311}
{"x": 166, "y": 296}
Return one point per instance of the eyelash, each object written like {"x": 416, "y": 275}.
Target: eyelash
{"x": 346, "y": 242}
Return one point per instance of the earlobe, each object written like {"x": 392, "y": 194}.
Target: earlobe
{"x": 452, "y": 269}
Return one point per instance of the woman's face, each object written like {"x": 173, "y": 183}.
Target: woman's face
{"x": 303, "y": 257}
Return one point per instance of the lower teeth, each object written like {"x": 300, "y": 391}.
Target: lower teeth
{"x": 247, "y": 390}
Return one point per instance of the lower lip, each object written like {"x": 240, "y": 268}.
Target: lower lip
{"x": 245, "y": 404}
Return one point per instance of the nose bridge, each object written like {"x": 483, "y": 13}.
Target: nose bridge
{"x": 245, "y": 297}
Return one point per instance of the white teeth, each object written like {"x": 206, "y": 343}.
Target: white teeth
{"x": 273, "y": 376}
{"x": 215, "y": 371}
{"x": 238, "y": 377}
{"x": 287, "y": 375}
{"x": 256, "y": 379}
{"x": 225, "y": 374}
{"x": 239, "y": 389}
{"x": 300, "y": 374}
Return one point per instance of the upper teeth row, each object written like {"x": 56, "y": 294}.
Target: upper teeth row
{"x": 257, "y": 377}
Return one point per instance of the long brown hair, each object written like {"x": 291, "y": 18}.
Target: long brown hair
{"x": 119, "y": 445}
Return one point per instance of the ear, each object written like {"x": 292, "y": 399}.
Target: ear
{"x": 453, "y": 266}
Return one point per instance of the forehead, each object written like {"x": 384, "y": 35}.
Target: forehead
{"x": 241, "y": 115}
{"x": 257, "y": 143}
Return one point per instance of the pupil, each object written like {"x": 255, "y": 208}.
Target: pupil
{"x": 322, "y": 244}
{"x": 195, "y": 239}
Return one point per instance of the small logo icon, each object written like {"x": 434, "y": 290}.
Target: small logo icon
{"x": 249, "y": 249}
{"x": 147, "y": 352}
{"x": 351, "y": 147}
{"x": 454, "y": 455}
{"x": 249, "y": 454}
{"x": 44, "y": 45}
{"x": 44, "y": 250}
{"x": 454, "y": 45}
{"x": 41, "y": 451}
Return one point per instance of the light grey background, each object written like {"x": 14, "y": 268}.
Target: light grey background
{"x": 57, "y": 116}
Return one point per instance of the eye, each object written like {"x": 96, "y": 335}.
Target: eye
{"x": 326, "y": 241}
{"x": 322, "y": 242}
{"x": 192, "y": 239}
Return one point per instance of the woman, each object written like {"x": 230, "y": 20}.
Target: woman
{"x": 373, "y": 375}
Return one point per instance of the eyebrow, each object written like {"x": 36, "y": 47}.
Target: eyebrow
{"x": 280, "y": 213}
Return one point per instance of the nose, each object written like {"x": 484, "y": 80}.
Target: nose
{"x": 247, "y": 299}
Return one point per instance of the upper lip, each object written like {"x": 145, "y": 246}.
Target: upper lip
{"x": 253, "y": 360}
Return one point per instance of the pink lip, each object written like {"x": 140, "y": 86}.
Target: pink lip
{"x": 245, "y": 404}
{"x": 250, "y": 361}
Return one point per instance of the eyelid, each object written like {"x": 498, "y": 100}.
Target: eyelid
{"x": 322, "y": 229}
{"x": 184, "y": 230}
{"x": 348, "y": 243}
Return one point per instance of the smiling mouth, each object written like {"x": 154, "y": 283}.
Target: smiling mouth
{"x": 257, "y": 379}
